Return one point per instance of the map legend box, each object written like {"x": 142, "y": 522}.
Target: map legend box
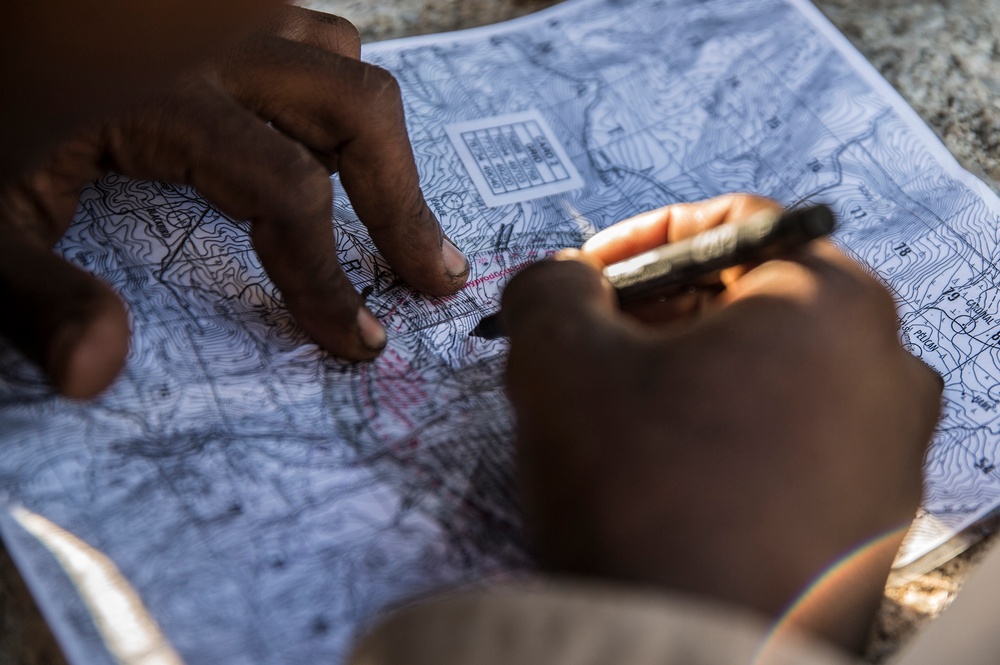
{"x": 513, "y": 158}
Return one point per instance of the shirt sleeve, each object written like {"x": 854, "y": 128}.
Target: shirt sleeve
{"x": 563, "y": 623}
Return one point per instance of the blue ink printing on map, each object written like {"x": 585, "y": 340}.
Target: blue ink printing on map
{"x": 513, "y": 158}
{"x": 267, "y": 501}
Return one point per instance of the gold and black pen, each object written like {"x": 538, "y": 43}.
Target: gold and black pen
{"x": 764, "y": 236}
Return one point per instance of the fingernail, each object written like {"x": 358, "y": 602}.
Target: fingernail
{"x": 454, "y": 260}
{"x": 372, "y": 332}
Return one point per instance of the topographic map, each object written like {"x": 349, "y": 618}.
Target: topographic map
{"x": 266, "y": 500}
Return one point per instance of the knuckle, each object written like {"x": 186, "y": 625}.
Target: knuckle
{"x": 303, "y": 24}
{"x": 539, "y": 280}
{"x": 865, "y": 296}
{"x": 412, "y": 227}
{"x": 549, "y": 298}
{"x": 328, "y": 289}
{"x": 380, "y": 88}
{"x": 745, "y": 204}
{"x": 346, "y": 33}
{"x": 855, "y": 291}
{"x": 304, "y": 183}
{"x": 377, "y": 103}
{"x": 335, "y": 33}
{"x": 874, "y": 303}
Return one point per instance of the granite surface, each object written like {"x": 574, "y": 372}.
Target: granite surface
{"x": 943, "y": 56}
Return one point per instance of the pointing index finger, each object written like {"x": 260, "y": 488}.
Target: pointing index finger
{"x": 548, "y": 300}
{"x": 197, "y": 135}
{"x": 350, "y": 114}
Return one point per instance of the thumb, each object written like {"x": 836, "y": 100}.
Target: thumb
{"x": 61, "y": 317}
{"x": 551, "y": 299}
{"x": 562, "y": 317}
{"x": 570, "y": 350}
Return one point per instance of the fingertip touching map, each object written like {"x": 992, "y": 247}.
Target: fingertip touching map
{"x": 267, "y": 501}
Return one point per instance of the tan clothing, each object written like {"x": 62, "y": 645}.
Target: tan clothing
{"x": 583, "y": 624}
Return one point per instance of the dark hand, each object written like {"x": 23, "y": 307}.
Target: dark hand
{"x": 737, "y": 451}
{"x": 328, "y": 111}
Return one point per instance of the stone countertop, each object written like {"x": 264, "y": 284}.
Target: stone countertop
{"x": 943, "y": 56}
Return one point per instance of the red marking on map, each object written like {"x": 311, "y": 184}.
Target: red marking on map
{"x": 497, "y": 275}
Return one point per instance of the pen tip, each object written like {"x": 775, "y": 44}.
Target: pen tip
{"x": 488, "y": 328}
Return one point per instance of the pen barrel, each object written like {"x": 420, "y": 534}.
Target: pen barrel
{"x": 762, "y": 237}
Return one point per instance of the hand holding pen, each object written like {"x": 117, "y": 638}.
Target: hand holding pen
{"x": 666, "y": 270}
{"x": 736, "y": 452}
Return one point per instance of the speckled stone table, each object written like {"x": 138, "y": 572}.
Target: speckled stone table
{"x": 943, "y": 56}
